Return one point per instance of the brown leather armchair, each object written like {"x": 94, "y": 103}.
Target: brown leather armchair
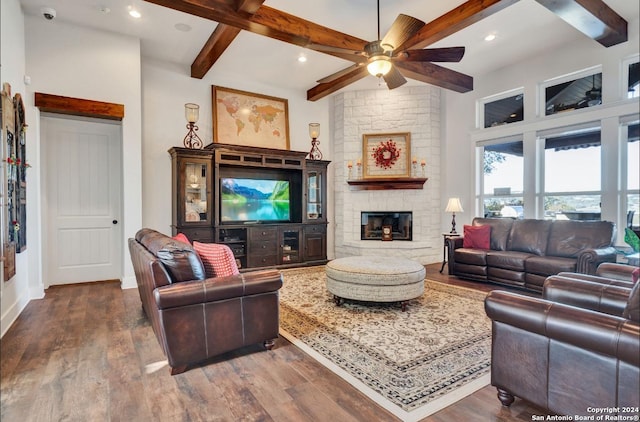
{"x": 576, "y": 349}
{"x": 194, "y": 317}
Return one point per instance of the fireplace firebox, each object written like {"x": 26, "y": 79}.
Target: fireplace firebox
{"x": 372, "y": 223}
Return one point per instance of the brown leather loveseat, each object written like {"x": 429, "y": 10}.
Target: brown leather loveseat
{"x": 194, "y": 317}
{"x": 523, "y": 253}
{"x": 576, "y": 351}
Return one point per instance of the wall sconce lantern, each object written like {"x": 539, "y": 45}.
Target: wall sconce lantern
{"x": 192, "y": 113}
{"x": 314, "y": 133}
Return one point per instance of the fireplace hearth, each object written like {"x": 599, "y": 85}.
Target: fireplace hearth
{"x": 372, "y": 223}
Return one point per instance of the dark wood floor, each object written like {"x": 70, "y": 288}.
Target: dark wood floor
{"x": 87, "y": 353}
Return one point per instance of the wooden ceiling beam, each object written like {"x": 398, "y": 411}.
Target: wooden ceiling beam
{"x": 324, "y": 89}
{"x": 591, "y": 17}
{"x": 453, "y": 21}
{"x": 265, "y": 21}
{"x": 220, "y": 40}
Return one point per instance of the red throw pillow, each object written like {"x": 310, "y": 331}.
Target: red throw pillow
{"x": 181, "y": 237}
{"x": 477, "y": 237}
{"x": 635, "y": 274}
{"x": 218, "y": 260}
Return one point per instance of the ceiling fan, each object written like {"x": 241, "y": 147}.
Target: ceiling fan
{"x": 382, "y": 57}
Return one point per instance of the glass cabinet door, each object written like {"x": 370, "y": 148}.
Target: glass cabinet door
{"x": 314, "y": 195}
{"x": 196, "y": 200}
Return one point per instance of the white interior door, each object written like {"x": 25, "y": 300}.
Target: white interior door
{"x": 81, "y": 199}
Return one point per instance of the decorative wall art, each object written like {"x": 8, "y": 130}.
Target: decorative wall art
{"x": 386, "y": 155}
{"x": 245, "y": 118}
{"x": 14, "y": 165}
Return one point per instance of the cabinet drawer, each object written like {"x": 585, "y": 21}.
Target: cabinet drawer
{"x": 204, "y": 235}
{"x": 261, "y": 234}
{"x": 267, "y": 247}
{"x": 315, "y": 228}
{"x": 262, "y": 261}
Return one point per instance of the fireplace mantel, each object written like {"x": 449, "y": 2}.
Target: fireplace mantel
{"x": 387, "y": 183}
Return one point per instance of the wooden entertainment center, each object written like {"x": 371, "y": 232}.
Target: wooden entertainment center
{"x": 294, "y": 235}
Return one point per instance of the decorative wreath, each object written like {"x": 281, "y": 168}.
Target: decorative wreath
{"x": 386, "y": 154}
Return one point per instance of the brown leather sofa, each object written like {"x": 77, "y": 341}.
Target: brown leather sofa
{"x": 523, "y": 253}
{"x": 194, "y": 317}
{"x": 573, "y": 351}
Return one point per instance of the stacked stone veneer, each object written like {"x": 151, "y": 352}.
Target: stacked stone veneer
{"x": 407, "y": 109}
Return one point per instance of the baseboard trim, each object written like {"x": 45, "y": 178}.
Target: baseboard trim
{"x": 129, "y": 283}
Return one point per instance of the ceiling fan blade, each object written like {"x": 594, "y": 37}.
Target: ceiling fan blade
{"x": 338, "y": 74}
{"x": 436, "y": 75}
{"x": 394, "y": 78}
{"x": 403, "y": 28}
{"x": 449, "y": 54}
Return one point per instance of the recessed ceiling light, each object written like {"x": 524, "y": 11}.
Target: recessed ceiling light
{"x": 490, "y": 37}
{"x": 134, "y": 13}
{"x": 302, "y": 58}
{"x": 182, "y": 27}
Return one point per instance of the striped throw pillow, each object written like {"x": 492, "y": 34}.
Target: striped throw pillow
{"x": 218, "y": 260}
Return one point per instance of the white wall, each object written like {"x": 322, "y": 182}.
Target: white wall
{"x": 16, "y": 292}
{"x": 78, "y": 62}
{"x": 166, "y": 88}
{"x": 461, "y": 134}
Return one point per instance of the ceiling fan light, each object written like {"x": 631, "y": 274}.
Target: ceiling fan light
{"x": 379, "y": 66}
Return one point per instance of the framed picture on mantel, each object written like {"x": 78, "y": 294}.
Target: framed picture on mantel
{"x": 245, "y": 118}
{"x": 386, "y": 155}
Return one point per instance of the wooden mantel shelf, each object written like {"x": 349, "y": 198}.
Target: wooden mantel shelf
{"x": 389, "y": 183}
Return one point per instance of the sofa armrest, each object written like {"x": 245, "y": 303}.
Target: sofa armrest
{"x": 586, "y": 329}
{"x": 218, "y": 288}
{"x": 600, "y": 297}
{"x": 597, "y": 279}
{"x": 616, "y": 271}
{"x": 589, "y": 259}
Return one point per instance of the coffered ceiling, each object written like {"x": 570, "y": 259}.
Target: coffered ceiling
{"x": 522, "y": 29}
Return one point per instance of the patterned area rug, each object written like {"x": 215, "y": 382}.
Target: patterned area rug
{"x": 412, "y": 363}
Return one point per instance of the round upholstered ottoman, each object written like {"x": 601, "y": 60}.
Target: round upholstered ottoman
{"x": 375, "y": 279}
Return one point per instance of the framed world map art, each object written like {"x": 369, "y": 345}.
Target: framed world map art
{"x": 245, "y": 118}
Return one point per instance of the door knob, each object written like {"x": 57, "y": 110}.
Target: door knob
{"x": 115, "y": 221}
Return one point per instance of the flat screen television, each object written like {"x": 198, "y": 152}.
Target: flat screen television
{"x": 259, "y": 200}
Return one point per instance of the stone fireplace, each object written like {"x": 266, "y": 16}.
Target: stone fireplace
{"x": 415, "y": 110}
{"x": 399, "y": 222}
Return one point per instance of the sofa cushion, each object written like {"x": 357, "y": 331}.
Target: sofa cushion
{"x": 510, "y": 260}
{"x": 529, "y": 236}
{"x": 570, "y": 238}
{"x": 180, "y": 260}
{"x": 500, "y": 229}
{"x": 477, "y": 237}
{"x": 218, "y": 260}
{"x": 632, "y": 310}
{"x": 471, "y": 256}
{"x": 549, "y": 265}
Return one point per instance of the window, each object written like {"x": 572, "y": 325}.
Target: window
{"x": 574, "y": 94}
{"x": 504, "y": 111}
{"x": 633, "y": 85}
{"x": 633, "y": 177}
{"x": 503, "y": 177}
{"x": 572, "y": 176}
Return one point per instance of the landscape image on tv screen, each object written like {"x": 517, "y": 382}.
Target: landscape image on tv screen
{"x": 254, "y": 200}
